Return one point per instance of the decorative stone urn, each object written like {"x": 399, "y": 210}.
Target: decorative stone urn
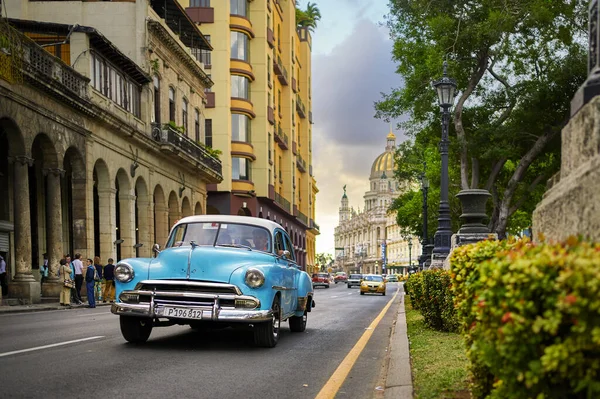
{"x": 473, "y": 211}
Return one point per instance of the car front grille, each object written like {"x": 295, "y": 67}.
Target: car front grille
{"x": 194, "y": 293}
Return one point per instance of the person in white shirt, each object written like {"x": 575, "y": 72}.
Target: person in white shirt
{"x": 78, "y": 268}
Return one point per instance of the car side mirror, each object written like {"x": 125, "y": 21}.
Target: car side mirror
{"x": 156, "y": 249}
{"x": 285, "y": 254}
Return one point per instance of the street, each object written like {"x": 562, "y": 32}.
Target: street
{"x": 178, "y": 362}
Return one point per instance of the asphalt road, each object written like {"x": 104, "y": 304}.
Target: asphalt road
{"x": 178, "y": 362}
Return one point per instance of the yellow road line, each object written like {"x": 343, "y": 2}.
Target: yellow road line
{"x": 338, "y": 377}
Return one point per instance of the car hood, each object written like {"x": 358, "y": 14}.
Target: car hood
{"x": 205, "y": 263}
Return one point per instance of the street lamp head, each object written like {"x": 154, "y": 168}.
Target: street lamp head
{"x": 446, "y": 89}
{"x": 424, "y": 182}
{"x": 410, "y": 244}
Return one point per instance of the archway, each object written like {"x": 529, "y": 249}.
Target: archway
{"x": 174, "y": 213}
{"x": 125, "y": 213}
{"x": 198, "y": 209}
{"x": 103, "y": 200}
{"x": 161, "y": 216}
{"x": 142, "y": 224}
{"x": 74, "y": 215}
{"x": 186, "y": 208}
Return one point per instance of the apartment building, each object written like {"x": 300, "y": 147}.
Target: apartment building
{"x": 258, "y": 113}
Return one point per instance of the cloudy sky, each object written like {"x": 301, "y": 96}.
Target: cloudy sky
{"x": 351, "y": 66}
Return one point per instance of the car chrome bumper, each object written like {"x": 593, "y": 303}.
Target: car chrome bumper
{"x": 208, "y": 313}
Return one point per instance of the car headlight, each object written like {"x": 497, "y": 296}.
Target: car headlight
{"x": 254, "y": 278}
{"x": 124, "y": 272}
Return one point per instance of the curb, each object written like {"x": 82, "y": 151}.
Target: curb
{"x": 398, "y": 382}
{"x": 41, "y": 308}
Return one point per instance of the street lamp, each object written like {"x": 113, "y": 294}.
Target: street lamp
{"x": 425, "y": 259}
{"x": 446, "y": 87}
{"x": 409, "y": 253}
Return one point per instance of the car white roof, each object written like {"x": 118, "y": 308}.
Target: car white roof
{"x": 267, "y": 224}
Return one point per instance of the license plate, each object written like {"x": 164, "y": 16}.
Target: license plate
{"x": 181, "y": 313}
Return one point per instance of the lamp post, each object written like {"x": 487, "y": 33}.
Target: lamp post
{"x": 446, "y": 88}
{"x": 425, "y": 258}
{"x": 410, "y": 244}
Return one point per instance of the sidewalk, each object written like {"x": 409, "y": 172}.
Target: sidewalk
{"x": 398, "y": 382}
{"x": 38, "y": 307}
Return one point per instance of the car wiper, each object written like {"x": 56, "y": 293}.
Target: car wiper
{"x": 235, "y": 246}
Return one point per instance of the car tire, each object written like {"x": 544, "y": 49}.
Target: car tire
{"x": 135, "y": 329}
{"x": 362, "y": 293}
{"x": 266, "y": 334}
{"x": 298, "y": 323}
{"x": 383, "y": 293}
{"x": 349, "y": 286}
{"x": 327, "y": 286}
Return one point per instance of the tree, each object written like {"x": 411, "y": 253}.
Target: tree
{"x": 517, "y": 64}
{"x": 308, "y": 18}
{"x": 323, "y": 260}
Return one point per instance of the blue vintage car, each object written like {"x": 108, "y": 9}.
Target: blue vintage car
{"x": 215, "y": 270}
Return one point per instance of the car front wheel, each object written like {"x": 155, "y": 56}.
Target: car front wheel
{"x": 298, "y": 323}
{"x": 135, "y": 329}
{"x": 266, "y": 334}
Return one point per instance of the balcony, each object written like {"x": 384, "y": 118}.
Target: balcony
{"x": 294, "y": 150}
{"x": 303, "y": 218}
{"x": 310, "y": 119}
{"x": 201, "y": 15}
{"x": 280, "y": 71}
{"x": 172, "y": 141}
{"x": 300, "y": 107}
{"x": 301, "y": 163}
{"x": 270, "y": 38}
{"x": 314, "y": 226}
{"x": 282, "y": 202}
{"x": 310, "y": 172}
{"x": 271, "y": 115}
{"x": 294, "y": 85}
{"x": 210, "y": 99}
{"x": 281, "y": 138}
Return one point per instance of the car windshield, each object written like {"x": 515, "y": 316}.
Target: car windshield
{"x": 373, "y": 278}
{"x": 358, "y": 276}
{"x": 340, "y": 273}
{"x": 221, "y": 234}
{"x": 323, "y": 275}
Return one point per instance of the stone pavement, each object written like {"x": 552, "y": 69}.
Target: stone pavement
{"x": 398, "y": 383}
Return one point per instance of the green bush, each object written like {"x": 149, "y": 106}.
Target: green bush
{"x": 430, "y": 293}
{"x": 534, "y": 316}
{"x": 414, "y": 288}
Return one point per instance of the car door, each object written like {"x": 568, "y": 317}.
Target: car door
{"x": 292, "y": 273}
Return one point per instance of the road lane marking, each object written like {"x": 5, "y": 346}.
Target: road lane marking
{"x": 37, "y": 348}
{"x": 332, "y": 386}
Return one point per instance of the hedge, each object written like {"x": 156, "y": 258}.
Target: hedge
{"x": 430, "y": 293}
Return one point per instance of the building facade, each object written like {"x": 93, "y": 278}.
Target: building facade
{"x": 369, "y": 240}
{"x": 259, "y": 110}
{"x": 86, "y": 165}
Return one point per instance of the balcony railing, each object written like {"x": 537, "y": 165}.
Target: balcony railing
{"x": 301, "y": 163}
{"x": 281, "y": 137}
{"x": 280, "y": 71}
{"x": 313, "y": 225}
{"x": 285, "y": 204}
{"x": 303, "y": 218}
{"x": 173, "y": 140}
{"x": 300, "y": 107}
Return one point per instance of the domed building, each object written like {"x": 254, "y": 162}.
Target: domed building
{"x": 369, "y": 240}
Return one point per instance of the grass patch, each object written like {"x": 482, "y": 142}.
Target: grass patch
{"x": 439, "y": 364}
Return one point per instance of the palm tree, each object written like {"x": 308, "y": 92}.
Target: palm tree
{"x": 308, "y": 18}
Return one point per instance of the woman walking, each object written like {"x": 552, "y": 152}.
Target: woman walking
{"x": 64, "y": 272}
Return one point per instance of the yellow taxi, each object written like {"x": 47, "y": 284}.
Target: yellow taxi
{"x": 372, "y": 283}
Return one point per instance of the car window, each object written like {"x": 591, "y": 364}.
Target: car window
{"x": 373, "y": 278}
{"x": 290, "y": 247}
{"x": 279, "y": 245}
{"x": 359, "y": 276}
{"x": 212, "y": 233}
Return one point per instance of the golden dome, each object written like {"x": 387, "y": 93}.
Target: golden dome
{"x": 384, "y": 163}
{"x": 391, "y": 136}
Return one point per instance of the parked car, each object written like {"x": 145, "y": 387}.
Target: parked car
{"x": 354, "y": 280}
{"x": 216, "y": 270}
{"x": 321, "y": 280}
{"x": 341, "y": 277}
{"x": 372, "y": 283}
{"x": 392, "y": 278}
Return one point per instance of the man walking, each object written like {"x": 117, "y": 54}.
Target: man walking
{"x": 109, "y": 287}
{"x": 3, "y": 277}
{"x": 78, "y": 268}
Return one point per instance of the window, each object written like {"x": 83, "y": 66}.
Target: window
{"x": 269, "y": 71}
{"x": 239, "y": 7}
{"x": 279, "y": 101}
{"x": 290, "y": 248}
{"x": 171, "y": 104}
{"x": 197, "y": 125}
{"x": 199, "y": 3}
{"x": 240, "y": 86}
{"x": 184, "y": 115}
{"x": 112, "y": 83}
{"x": 240, "y": 168}
{"x": 239, "y": 46}
{"x": 240, "y": 128}
{"x": 208, "y": 132}
{"x": 280, "y": 177}
{"x": 202, "y": 55}
{"x": 279, "y": 243}
{"x": 156, "y": 99}
{"x": 270, "y": 147}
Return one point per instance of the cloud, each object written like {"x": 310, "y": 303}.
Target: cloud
{"x": 346, "y": 136}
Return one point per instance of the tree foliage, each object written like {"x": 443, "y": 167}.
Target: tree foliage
{"x": 323, "y": 260}
{"x": 308, "y": 18}
{"x": 517, "y": 64}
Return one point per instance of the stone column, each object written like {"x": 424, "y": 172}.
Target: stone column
{"x": 23, "y": 285}
{"x": 80, "y": 209}
{"x": 144, "y": 207}
{"x": 161, "y": 217}
{"x": 108, "y": 234}
{"x": 54, "y": 230}
{"x": 127, "y": 227}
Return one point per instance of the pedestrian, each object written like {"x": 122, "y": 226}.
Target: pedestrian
{"x": 44, "y": 271}
{"x": 64, "y": 276}
{"x": 109, "y": 285}
{"x": 3, "y": 284}
{"x": 91, "y": 275}
{"x": 78, "y": 270}
{"x": 98, "y": 285}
